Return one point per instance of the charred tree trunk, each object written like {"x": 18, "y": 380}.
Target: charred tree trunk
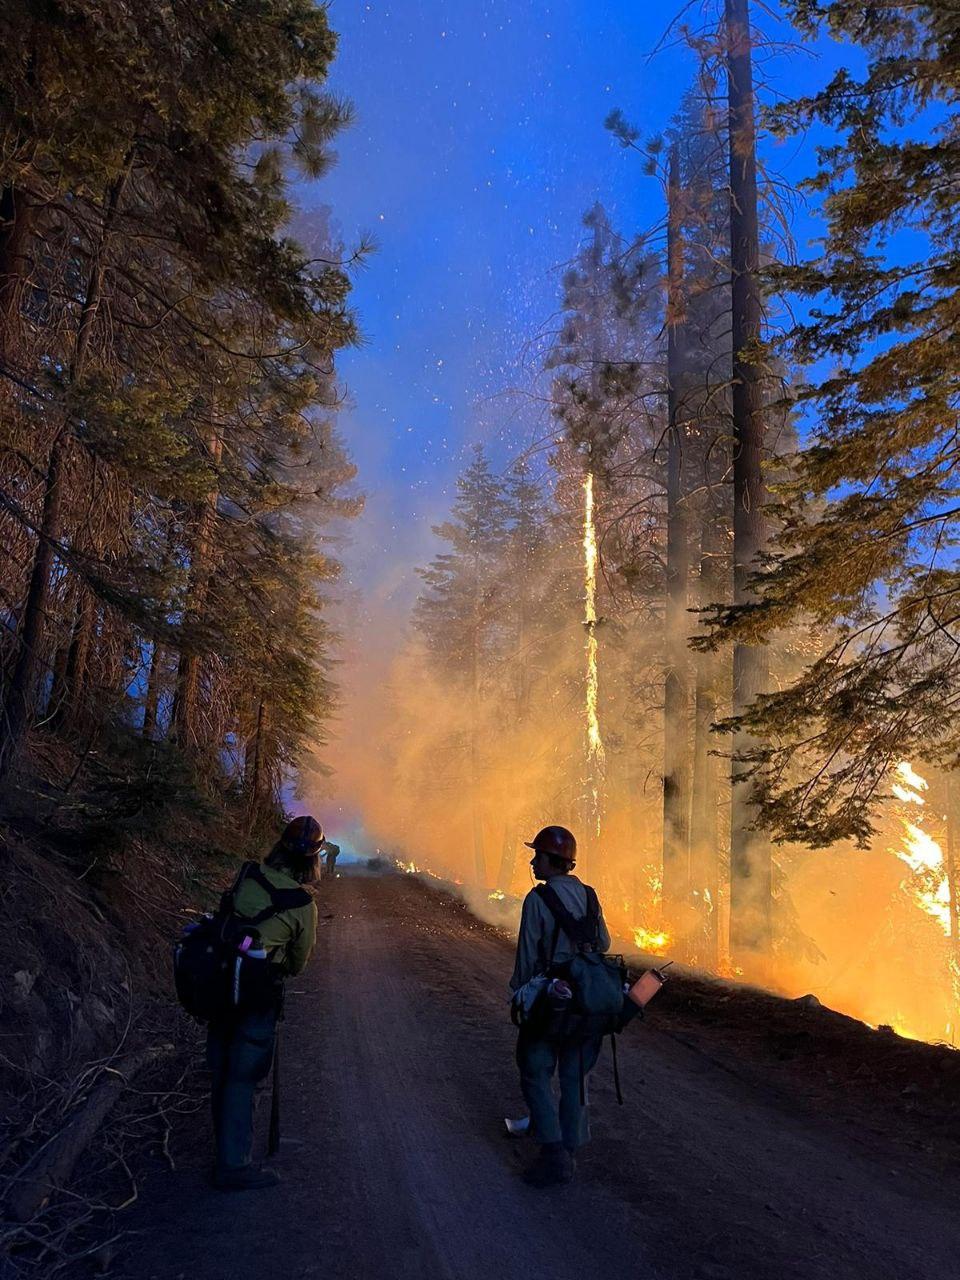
{"x": 187, "y": 698}
{"x": 20, "y": 699}
{"x": 750, "y": 862}
{"x": 705, "y": 814}
{"x": 676, "y": 693}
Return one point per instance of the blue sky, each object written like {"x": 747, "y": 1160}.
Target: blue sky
{"x": 478, "y": 145}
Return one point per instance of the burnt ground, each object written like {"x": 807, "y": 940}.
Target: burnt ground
{"x": 761, "y": 1139}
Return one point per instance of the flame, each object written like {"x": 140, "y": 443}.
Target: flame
{"x": 497, "y": 896}
{"x": 652, "y": 941}
{"x": 595, "y": 751}
{"x": 930, "y": 889}
{"x": 907, "y": 773}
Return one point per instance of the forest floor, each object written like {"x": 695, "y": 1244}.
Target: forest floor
{"x": 760, "y": 1139}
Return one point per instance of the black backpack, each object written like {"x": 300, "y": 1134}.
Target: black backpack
{"x": 219, "y": 965}
{"x": 596, "y": 979}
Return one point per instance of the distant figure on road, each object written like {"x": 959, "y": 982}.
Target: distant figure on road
{"x": 241, "y": 1045}
{"x": 332, "y": 853}
{"x": 561, "y": 917}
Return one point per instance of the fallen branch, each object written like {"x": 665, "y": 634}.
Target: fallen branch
{"x": 51, "y": 1166}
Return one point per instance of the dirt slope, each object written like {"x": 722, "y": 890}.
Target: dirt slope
{"x": 398, "y": 1070}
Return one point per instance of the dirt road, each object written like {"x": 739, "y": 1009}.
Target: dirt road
{"x": 398, "y": 1071}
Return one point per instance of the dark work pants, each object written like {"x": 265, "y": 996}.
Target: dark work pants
{"x": 538, "y": 1060}
{"x": 239, "y": 1055}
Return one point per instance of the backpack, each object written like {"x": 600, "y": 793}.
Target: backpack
{"x": 597, "y": 980}
{"x": 219, "y": 965}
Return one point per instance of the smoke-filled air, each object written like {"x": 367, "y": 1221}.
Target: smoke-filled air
{"x": 686, "y": 602}
{"x": 480, "y": 514}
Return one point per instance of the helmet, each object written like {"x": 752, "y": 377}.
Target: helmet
{"x": 302, "y": 837}
{"x": 558, "y": 842}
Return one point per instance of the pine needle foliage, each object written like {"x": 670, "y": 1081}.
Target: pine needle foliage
{"x": 868, "y": 544}
{"x": 167, "y": 383}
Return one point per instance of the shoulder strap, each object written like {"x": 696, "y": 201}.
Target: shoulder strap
{"x": 229, "y": 896}
{"x": 280, "y": 899}
{"x": 581, "y": 931}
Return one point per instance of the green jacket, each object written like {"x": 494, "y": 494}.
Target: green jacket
{"x": 290, "y": 934}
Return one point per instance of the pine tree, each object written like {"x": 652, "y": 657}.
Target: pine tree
{"x": 528, "y": 610}
{"x": 869, "y": 520}
{"x": 460, "y": 615}
{"x": 145, "y": 259}
{"x": 750, "y": 866}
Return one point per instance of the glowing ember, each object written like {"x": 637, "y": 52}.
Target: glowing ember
{"x": 497, "y": 896}
{"x": 648, "y": 940}
{"x": 595, "y": 752}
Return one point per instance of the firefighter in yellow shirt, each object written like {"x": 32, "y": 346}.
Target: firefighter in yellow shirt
{"x": 240, "y": 1046}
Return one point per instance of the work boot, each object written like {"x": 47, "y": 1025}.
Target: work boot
{"x": 249, "y": 1177}
{"x": 553, "y": 1167}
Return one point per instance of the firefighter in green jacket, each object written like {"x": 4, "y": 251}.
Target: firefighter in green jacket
{"x": 240, "y": 1047}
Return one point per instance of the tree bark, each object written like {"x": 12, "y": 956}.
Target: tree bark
{"x": 705, "y": 814}
{"x": 254, "y": 771}
{"x": 21, "y": 693}
{"x": 151, "y": 701}
{"x": 750, "y": 863}
{"x": 17, "y": 218}
{"x": 50, "y": 1169}
{"x": 71, "y": 713}
{"x": 508, "y": 854}
{"x": 187, "y": 698}
{"x": 676, "y": 693}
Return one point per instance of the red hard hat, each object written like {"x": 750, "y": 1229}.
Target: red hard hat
{"x": 558, "y": 842}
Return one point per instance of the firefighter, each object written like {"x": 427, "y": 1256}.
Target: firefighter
{"x": 331, "y": 854}
{"x": 541, "y": 944}
{"x": 240, "y": 1047}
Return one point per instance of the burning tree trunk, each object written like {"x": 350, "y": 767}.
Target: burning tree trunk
{"x": 676, "y": 699}
{"x": 950, "y": 860}
{"x": 750, "y": 863}
{"x": 595, "y": 751}
{"x": 21, "y": 692}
